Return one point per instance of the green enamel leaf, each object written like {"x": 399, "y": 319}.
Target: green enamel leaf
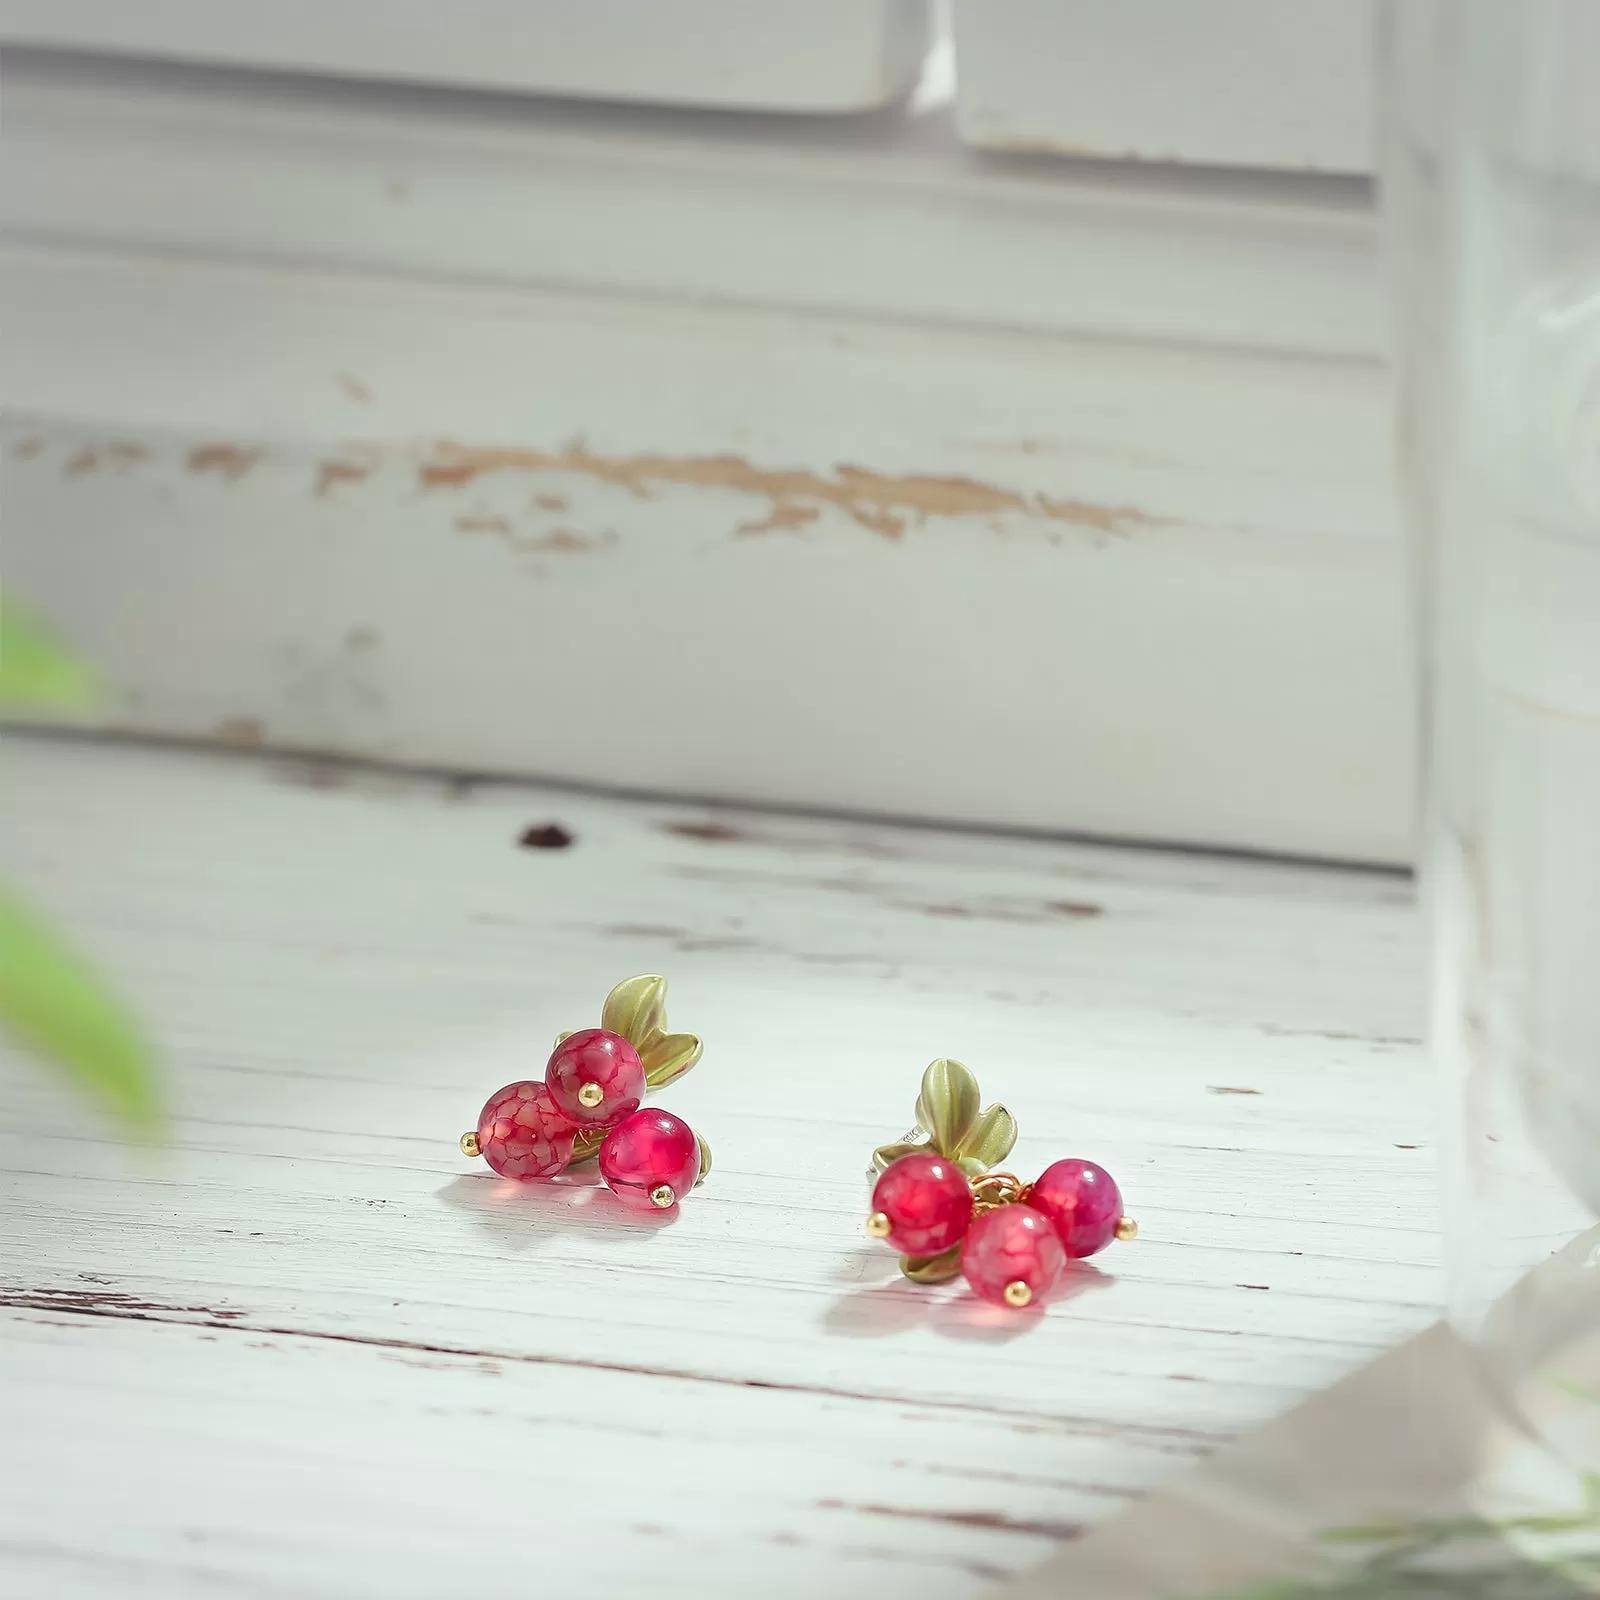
{"x": 636, "y": 1009}
{"x": 668, "y": 1056}
{"x": 36, "y": 670}
{"x": 948, "y": 1105}
{"x": 54, "y": 1002}
{"x": 991, "y": 1136}
{"x": 887, "y": 1154}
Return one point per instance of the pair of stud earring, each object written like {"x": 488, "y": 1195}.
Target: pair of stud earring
{"x": 935, "y": 1197}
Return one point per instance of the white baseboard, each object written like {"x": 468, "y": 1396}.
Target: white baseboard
{"x": 989, "y": 555}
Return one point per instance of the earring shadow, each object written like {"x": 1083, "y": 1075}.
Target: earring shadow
{"x": 880, "y": 1310}
{"x": 520, "y": 1216}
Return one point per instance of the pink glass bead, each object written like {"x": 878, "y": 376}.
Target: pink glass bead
{"x": 1082, "y": 1201}
{"x": 648, "y": 1154}
{"x": 927, "y": 1202}
{"x": 1010, "y": 1245}
{"x": 605, "y": 1060}
{"x": 521, "y": 1134}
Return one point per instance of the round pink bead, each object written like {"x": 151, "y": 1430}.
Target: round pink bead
{"x": 1012, "y": 1244}
{"x": 646, "y": 1150}
{"x": 927, "y": 1201}
{"x": 1082, "y": 1201}
{"x": 601, "y": 1058}
{"x": 521, "y": 1134}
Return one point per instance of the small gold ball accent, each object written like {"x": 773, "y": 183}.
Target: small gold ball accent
{"x": 469, "y": 1144}
{"x": 591, "y": 1094}
{"x": 1018, "y": 1293}
{"x": 1127, "y": 1228}
{"x": 662, "y": 1196}
{"x": 878, "y": 1226}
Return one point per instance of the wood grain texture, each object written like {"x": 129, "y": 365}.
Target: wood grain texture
{"x": 310, "y": 1350}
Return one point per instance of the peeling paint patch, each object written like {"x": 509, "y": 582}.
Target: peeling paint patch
{"x": 227, "y": 460}
{"x": 550, "y": 502}
{"x": 781, "y": 518}
{"x": 883, "y": 503}
{"x": 710, "y": 832}
{"x": 1022, "y": 910}
{"x": 544, "y": 836}
{"x": 121, "y": 454}
{"x": 565, "y": 539}
{"x": 557, "y": 541}
{"x": 107, "y": 1302}
{"x": 331, "y": 473}
{"x": 996, "y": 909}
{"x": 500, "y": 526}
{"x": 243, "y": 733}
{"x": 995, "y": 1521}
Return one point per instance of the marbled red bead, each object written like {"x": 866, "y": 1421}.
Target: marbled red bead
{"x": 604, "y": 1059}
{"x": 521, "y": 1133}
{"x": 927, "y": 1201}
{"x": 647, "y": 1150}
{"x": 1012, "y": 1244}
{"x": 1083, "y": 1203}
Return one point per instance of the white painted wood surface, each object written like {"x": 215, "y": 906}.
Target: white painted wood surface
{"x": 823, "y": 56}
{"x": 1240, "y": 83}
{"x": 310, "y": 1350}
{"x": 918, "y": 485}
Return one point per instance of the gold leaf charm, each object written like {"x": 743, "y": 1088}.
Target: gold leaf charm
{"x": 887, "y": 1154}
{"x": 668, "y": 1056}
{"x": 637, "y": 1009}
{"x": 990, "y": 1138}
{"x": 948, "y": 1105}
{"x": 932, "y": 1269}
{"x": 947, "y": 1111}
{"x": 975, "y": 1140}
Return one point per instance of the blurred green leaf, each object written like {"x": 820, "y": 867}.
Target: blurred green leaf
{"x": 52, "y": 1000}
{"x": 36, "y": 670}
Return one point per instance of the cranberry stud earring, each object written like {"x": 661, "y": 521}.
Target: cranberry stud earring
{"x": 590, "y": 1105}
{"x": 937, "y": 1201}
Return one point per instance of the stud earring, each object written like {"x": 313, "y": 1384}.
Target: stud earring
{"x": 936, "y": 1200}
{"x": 589, "y": 1105}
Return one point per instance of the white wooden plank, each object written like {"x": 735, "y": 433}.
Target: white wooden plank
{"x": 887, "y": 217}
{"x": 828, "y": 55}
{"x": 320, "y": 1353}
{"x": 981, "y": 577}
{"x": 1249, "y": 83}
